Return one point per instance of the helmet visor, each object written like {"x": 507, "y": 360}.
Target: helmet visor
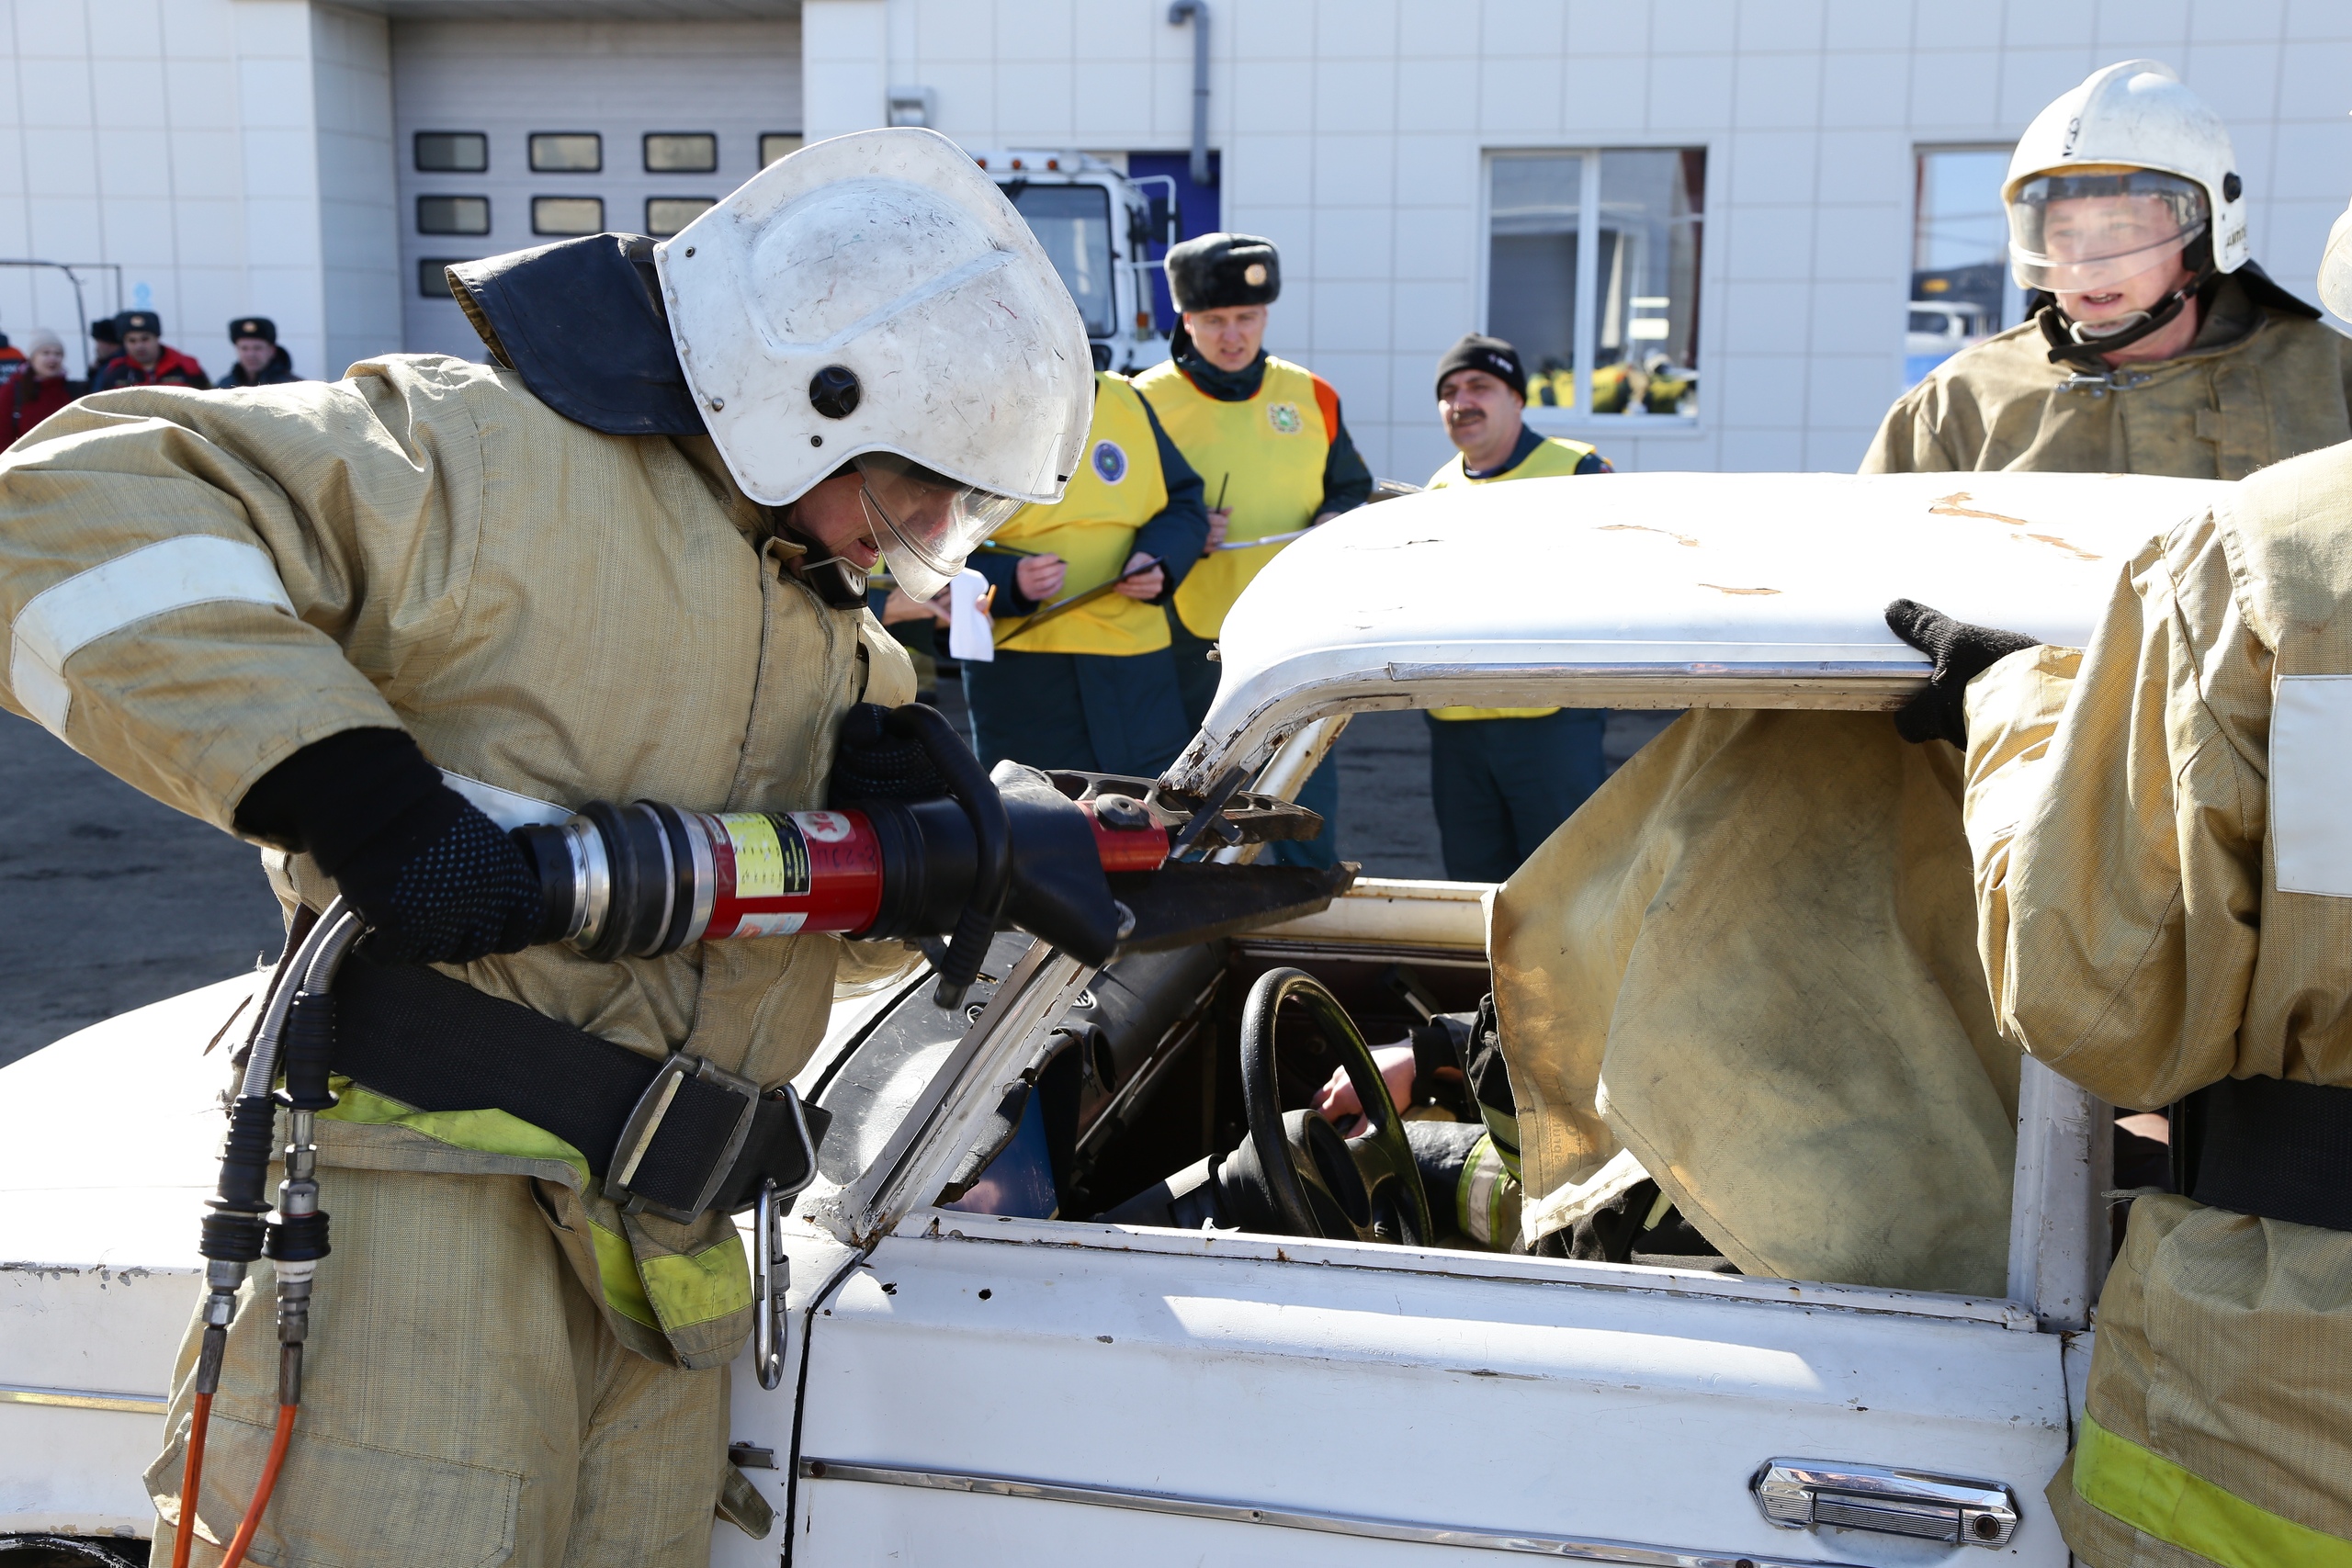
{"x": 2081, "y": 231}
{"x": 926, "y": 523}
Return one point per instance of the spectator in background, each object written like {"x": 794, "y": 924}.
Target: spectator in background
{"x": 1501, "y": 779}
{"x": 12, "y": 362}
{"x": 147, "y": 360}
{"x": 260, "y": 362}
{"x": 40, "y": 390}
{"x": 106, "y": 347}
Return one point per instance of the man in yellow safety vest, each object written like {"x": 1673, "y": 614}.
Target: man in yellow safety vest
{"x": 1094, "y": 686}
{"x": 1501, "y": 779}
{"x": 1265, "y": 435}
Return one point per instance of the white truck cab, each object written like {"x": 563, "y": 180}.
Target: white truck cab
{"x": 1096, "y": 224}
{"x": 980, "y": 1372}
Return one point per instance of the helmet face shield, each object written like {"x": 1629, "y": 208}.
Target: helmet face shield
{"x": 926, "y": 523}
{"x": 2081, "y": 231}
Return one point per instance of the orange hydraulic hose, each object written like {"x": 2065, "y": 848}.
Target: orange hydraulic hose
{"x": 283, "y": 1435}
{"x": 191, "y": 1476}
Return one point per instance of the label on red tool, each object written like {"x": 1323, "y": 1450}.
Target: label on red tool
{"x": 780, "y": 873}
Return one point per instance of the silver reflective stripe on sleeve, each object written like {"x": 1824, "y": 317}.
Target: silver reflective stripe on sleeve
{"x": 2311, "y": 763}
{"x": 171, "y": 574}
{"x": 508, "y": 808}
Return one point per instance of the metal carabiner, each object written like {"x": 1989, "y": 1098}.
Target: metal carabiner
{"x": 771, "y": 1280}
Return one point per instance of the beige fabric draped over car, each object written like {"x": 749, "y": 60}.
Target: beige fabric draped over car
{"x": 1751, "y": 959}
{"x": 197, "y": 585}
{"x": 2166, "y": 887}
{"x": 2257, "y": 386}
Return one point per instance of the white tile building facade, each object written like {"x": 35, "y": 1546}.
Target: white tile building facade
{"x": 236, "y": 155}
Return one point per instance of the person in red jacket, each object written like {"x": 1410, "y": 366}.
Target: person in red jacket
{"x": 147, "y": 360}
{"x": 37, "y": 390}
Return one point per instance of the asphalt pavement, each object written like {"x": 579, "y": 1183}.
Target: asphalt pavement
{"x": 109, "y": 900}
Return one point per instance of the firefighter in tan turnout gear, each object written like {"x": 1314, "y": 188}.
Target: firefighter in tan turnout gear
{"x": 2158, "y": 346}
{"x": 2164, "y": 902}
{"x": 370, "y": 624}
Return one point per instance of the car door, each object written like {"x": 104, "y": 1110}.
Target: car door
{"x": 984, "y": 1390}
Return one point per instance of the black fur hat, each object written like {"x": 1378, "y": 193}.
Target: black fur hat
{"x": 261, "y": 327}
{"x": 140, "y": 321}
{"x": 1216, "y": 272}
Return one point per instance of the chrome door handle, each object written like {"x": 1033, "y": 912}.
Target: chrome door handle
{"x": 1799, "y": 1494}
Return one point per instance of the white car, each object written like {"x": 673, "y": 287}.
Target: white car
{"x": 1025, "y": 1385}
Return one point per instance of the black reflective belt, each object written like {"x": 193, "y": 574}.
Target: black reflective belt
{"x": 678, "y": 1137}
{"x": 2270, "y": 1146}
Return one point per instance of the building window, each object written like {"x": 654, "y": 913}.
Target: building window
{"x": 665, "y": 214}
{"x": 452, "y": 153}
{"x": 1961, "y": 292}
{"x": 567, "y": 215}
{"x": 567, "y": 153}
{"x": 1612, "y": 327}
{"x": 433, "y": 277}
{"x": 775, "y": 144}
{"x": 681, "y": 153}
{"x": 453, "y": 215}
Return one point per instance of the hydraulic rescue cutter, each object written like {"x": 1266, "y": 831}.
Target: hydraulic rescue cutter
{"x": 917, "y": 845}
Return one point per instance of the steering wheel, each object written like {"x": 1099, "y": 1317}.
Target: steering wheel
{"x": 1361, "y": 1189}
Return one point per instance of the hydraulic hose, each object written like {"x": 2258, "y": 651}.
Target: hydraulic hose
{"x": 296, "y": 1021}
{"x": 281, "y": 1435}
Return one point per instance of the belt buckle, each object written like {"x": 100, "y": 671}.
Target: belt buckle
{"x": 644, "y": 1125}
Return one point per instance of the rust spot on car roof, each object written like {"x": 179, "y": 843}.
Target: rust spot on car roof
{"x": 1683, "y": 539}
{"x": 2075, "y": 551}
{"x": 1950, "y": 506}
{"x": 1722, "y": 589}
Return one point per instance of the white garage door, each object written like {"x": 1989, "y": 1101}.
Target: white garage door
{"x": 512, "y": 134}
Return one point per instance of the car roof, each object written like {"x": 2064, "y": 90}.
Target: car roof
{"x": 1662, "y": 591}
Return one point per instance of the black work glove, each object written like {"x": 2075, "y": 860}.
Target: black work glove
{"x": 436, "y": 881}
{"x": 1962, "y": 653}
{"x": 870, "y": 764}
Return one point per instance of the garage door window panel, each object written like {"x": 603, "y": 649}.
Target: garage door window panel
{"x": 453, "y": 215}
{"x": 567, "y": 153}
{"x": 1592, "y": 272}
{"x": 681, "y": 153}
{"x": 452, "y": 153}
{"x": 563, "y": 215}
{"x": 665, "y": 214}
{"x": 432, "y": 275}
{"x": 775, "y": 144}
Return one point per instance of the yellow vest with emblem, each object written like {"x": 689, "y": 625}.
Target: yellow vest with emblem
{"x": 1553, "y": 459}
{"x": 1267, "y": 454}
{"x": 1118, "y": 490}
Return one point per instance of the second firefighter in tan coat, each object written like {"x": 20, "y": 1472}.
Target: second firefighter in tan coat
{"x": 2158, "y": 345}
{"x": 2165, "y": 907}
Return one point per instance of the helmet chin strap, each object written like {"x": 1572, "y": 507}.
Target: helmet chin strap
{"x": 836, "y": 579}
{"x": 2087, "y": 342}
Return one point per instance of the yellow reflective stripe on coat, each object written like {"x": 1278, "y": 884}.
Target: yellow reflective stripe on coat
{"x": 1117, "y": 489}
{"x": 2158, "y": 1497}
{"x": 1552, "y": 460}
{"x": 664, "y": 1291}
{"x": 1267, "y": 454}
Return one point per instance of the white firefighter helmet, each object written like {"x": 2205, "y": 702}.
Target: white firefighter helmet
{"x": 875, "y": 297}
{"x": 2117, "y": 175}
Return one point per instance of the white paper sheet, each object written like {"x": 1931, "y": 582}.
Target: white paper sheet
{"x": 970, "y": 634}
